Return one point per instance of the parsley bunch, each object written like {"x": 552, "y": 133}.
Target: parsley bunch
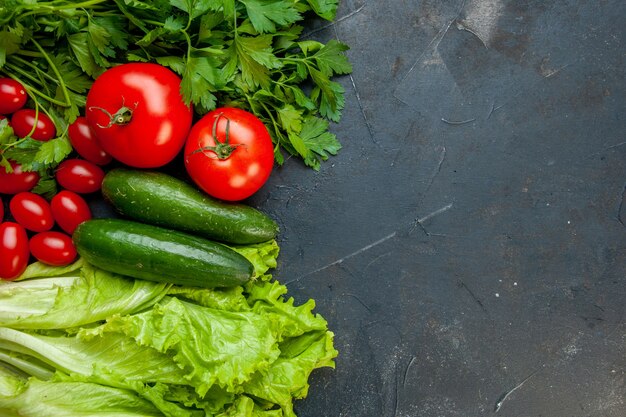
{"x": 243, "y": 53}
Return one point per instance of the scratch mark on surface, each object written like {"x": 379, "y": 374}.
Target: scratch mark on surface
{"x": 458, "y": 122}
{"x": 351, "y": 255}
{"x": 435, "y": 213}
{"x": 397, "y": 393}
{"x": 471, "y": 293}
{"x": 494, "y": 109}
{"x": 552, "y": 73}
{"x": 356, "y": 297}
{"x": 373, "y": 261}
{"x": 442, "y": 157}
{"x": 620, "y": 206}
{"x": 420, "y": 222}
{"x": 608, "y": 148}
{"x": 406, "y": 371}
{"x": 337, "y": 20}
{"x": 370, "y": 130}
{"x": 507, "y": 394}
{"x": 434, "y": 43}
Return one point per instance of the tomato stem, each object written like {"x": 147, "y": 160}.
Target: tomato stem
{"x": 121, "y": 117}
{"x": 222, "y": 150}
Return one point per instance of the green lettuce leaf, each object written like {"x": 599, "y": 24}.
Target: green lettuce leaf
{"x": 267, "y": 299}
{"x": 87, "y": 296}
{"x": 287, "y": 377}
{"x": 213, "y": 346}
{"x": 262, "y": 255}
{"x": 115, "y": 358}
{"x": 35, "y": 398}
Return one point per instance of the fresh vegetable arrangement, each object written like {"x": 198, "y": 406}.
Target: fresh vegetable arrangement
{"x": 167, "y": 309}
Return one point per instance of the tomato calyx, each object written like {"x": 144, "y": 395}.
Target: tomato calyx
{"x": 121, "y": 117}
{"x": 222, "y": 150}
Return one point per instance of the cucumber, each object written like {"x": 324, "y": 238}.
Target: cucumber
{"x": 160, "y": 199}
{"x": 154, "y": 253}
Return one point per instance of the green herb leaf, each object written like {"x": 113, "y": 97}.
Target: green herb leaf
{"x": 9, "y": 44}
{"x": 331, "y": 59}
{"x": 326, "y": 9}
{"x": 265, "y": 14}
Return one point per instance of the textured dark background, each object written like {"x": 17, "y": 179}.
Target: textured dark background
{"x": 468, "y": 244}
{"x": 469, "y": 239}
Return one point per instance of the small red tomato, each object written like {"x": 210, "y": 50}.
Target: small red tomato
{"x": 52, "y": 248}
{"x": 14, "y": 252}
{"x": 23, "y": 121}
{"x": 12, "y": 95}
{"x": 84, "y": 142}
{"x": 79, "y": 176}
{"x": 31, "y": 211}
{"x": 18, "y": 180}
{"x": 1, "y": 210}
{"x": 229, "y": 154}
{"x": 69, "y": 210}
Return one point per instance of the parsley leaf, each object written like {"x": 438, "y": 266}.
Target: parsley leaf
{"x": 326, "y": 9}
{"x": 265, "y": 14}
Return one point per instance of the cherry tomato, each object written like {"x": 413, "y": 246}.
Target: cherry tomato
{"x": 32, "y": 211}
{"x": 84, "y": 142}
{"x": 1, "y": 210}
{"x": 18, "y": 180}
{"x": 69, "y": 210}
{"x": 79, "y": 176}
{"x": 12, "y": 95}
{"x": 23, "y": 121}
{"x": 229, "y": 154}
{"x": 138, "y": 115}
{"x": 14, "y": 252}
{"x": 52, "y": 248}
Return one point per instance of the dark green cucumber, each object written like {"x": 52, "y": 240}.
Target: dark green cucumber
{"x": 160, "y": 199}
{"x": 153, "y": 253}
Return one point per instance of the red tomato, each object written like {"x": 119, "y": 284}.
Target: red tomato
{"x": 12, "y": 95}
{"x": 23, "y": 121}
{"x": 84, "y": 142}
{"x": 52, "y": 248}
{"x": 237, "y": 162}
{"x": 138, "y": 115}
{"x": 1, "y": 210}
{"x": 79, "y": 176}
{"x": 14, "y": 252}
{"x": 69, "y": 210}
{"x": 31, "y": 211}
{"x": 18, "y": 180}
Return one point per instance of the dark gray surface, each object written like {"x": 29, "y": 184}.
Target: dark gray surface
{"x": 469, "y": 239}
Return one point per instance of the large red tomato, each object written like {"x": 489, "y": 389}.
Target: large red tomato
{"x": 229, "y": 154}
{"x": 138, "y": 115}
